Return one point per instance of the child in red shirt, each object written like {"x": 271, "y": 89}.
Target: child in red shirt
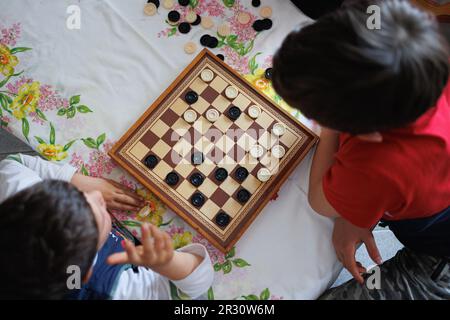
{"x": 383, "y": 100}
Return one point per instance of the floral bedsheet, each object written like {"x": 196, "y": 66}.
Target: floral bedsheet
{"x": 70, "y": 93}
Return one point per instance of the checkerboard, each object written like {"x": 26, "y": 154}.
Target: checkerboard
{"x": 162, "y": 132}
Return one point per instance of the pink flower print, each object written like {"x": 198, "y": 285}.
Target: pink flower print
{"x": 76, "y": 161}
{"x": 9, "y": 36}
{"x": 267, "y": 63}
{"x": 237, "y": 62}
{"x": 213, "y": 8}
{"x": 35, "y": 118}
{"x": 127, "y": 183}
{"x": 174, "y": 230}
{"x": 50, "y": 99}
{"x": 215, "y": 255}
{"x": 100, "y": 164}
{"x": 244, "y": 32}
{"x": 14, "y": 87}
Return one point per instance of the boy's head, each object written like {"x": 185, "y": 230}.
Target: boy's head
{"x": 352, "y": 79}
{"x": 45, "y": 229}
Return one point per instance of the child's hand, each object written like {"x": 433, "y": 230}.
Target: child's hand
{"x": 156, "y": 250}
{"x": 346, "y": 238}
{"x": 116, "y": 196}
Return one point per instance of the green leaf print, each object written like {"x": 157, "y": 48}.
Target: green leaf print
{"x": 210, "y": 294}
{"x": 71, "y": 112}
{"x": 248, "y": 47}
{"x": 52, "y": 138}
{"x": 74, "y": 100}
{"x": 68, "y": 145}
{"x": 193, "y": 3}
{"x": 101, "y": 138}
{"x": 61, "y": 112}
{"x": 231, "y": 253}
{"x": 40, "y": 140}
{"x": 131, "y": 223}
{"x": 83, "y": 109}
{"x": 231, "y": 39}
{"x": 265, "y": 295}
{"x": 227, "y": 266}
{"x": 19, "y": 49}
{"x": 90, "y": 143}
{"x": 3, "y": 102}
{"x": 166, "y": 223}
{"x": 172, "y": 32}
{"x": 5, "y": 81}
{"x": 217, "y": 267}
{"x": 252, "y": 64}
{"x": 228, "y": 3}
{"x": 84, "y": 171}
{"x": 25, "y": 128}
{"x": 41, "y": 115}
{"x": 240, "y": 263}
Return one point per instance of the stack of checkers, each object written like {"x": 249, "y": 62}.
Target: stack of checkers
{"x": 210, "y": 103}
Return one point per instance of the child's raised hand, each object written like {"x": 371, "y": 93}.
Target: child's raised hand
{"x": 346, "y": 238}
{"x": 155, "y": 252}
{"x": 116, "y": 196}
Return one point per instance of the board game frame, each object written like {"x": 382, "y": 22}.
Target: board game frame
{"x": 284, "y": 174}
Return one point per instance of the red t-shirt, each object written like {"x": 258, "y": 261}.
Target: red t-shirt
{"x": 406, "y": 176}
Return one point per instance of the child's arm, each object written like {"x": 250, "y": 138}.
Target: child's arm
{"x": 18, "y": 172}
{"x": 346, "y": 236}
{"x": 190, "y": 271}
{"x": 116, "y": 196}
{"x": 322, "y": 161}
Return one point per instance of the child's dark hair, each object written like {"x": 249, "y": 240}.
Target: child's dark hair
{"x": 350, "y": 78}
{"x": 43, "y": 230}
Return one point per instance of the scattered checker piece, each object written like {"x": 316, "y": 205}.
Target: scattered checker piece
{"x": 214, "y": 149}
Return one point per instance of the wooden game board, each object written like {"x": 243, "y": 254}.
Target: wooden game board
{"x": 162, "y": 131}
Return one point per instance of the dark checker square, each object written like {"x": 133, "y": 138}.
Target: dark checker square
{"x": 209, "y": 94}
{"x": 169, "y": 117}
{"x": 255, "y": 170}
{"x": 234, "y": 132}
{"x": 192, "y": 136}
{"x": 215, "y": 155}
{"x": 236, "y": 153}
{"x": 219, "y": 197}
{"x": 255, "y": 130}
{"x": 213, "y": 134}
{"x": 171, "y": 137}
{"x": 172, "y": 158}
{"x": 149, "y": 139}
